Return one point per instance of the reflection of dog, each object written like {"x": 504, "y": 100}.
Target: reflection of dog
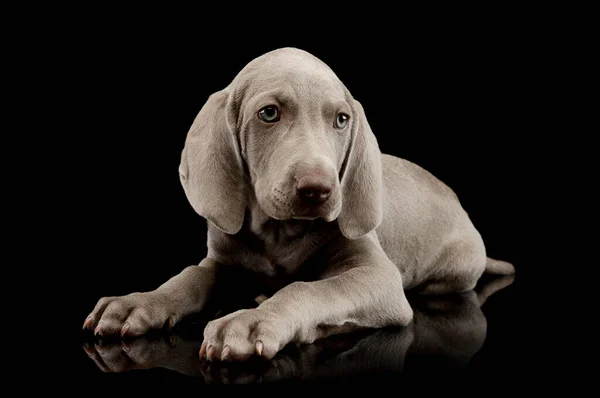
{"x": 286, "y": 169}
{"x": 449, "y": 328}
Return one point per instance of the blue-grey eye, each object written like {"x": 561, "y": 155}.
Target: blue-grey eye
{"x": 269, "y": 114}
{"x": 341, "y": 120}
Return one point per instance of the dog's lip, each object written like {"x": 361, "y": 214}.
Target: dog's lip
{"x": 299, "y": 212}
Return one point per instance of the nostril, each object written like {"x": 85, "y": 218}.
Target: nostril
{"x": 312, "y": 196}
{"x": 313, "y": 190}
{"x": 324, "y": 196}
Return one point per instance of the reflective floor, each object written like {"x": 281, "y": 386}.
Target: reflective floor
{"x": 473, "y": 331}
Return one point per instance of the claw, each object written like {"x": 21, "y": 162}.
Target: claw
{"x": 171, "y": 322}
{"x": 88, "y": 322}
{"x": 125, "y": 329}
{"x": 210, "y": 352}
{"x": 203, "y": 350}
{"x": 98, "y": 331}
{"x": 259, "y": 347}
{"x": 225, "y": 353}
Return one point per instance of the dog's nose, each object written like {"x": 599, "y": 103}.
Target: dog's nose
{"x": 314, "y": 190}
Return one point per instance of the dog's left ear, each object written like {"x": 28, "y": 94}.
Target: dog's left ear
{"x": 361, "y": 181}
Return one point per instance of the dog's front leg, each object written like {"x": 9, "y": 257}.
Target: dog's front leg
{"x": 363, "y": 289}
{"x": 137, "y": 313}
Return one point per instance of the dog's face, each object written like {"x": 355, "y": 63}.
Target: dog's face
{"x": 287, "y": 132}
{"x": 294, "y": 131}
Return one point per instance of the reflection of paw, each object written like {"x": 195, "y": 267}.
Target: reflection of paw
{"x": 291, "y": 363}
{"x": 238, "y": 336}
{"x": 131, "y": 315}
{"x": 228, "y": 373}
{"x": 139, "y": 353}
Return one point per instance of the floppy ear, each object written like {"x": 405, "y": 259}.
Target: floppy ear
{"x": 361, "y": 182}
{"x": 211, "y": 170}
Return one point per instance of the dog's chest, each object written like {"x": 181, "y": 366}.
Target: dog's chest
{"x": 286, "y": 245}
{"x": 274, "y": 248}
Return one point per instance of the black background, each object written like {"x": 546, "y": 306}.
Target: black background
{"x": 467, "y": 107}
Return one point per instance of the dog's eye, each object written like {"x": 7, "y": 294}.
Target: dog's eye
{"x": 269, "y": 114}
{"x": 341, "y": 120}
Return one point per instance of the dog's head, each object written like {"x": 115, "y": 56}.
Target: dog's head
{"x": 287, "y": 131}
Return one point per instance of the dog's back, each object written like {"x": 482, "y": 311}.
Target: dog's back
{"x": 424, "y": 225}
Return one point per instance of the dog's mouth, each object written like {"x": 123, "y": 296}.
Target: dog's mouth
{"x": 326, "y": 212}
{"x": 302, "y": 213}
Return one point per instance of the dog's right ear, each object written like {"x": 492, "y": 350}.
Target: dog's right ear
{"x": 211, "y": 170}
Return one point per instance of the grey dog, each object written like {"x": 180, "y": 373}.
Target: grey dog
{"x": 285, "y": 168}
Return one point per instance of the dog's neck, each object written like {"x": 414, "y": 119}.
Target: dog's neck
{"x": 272, "y": 231}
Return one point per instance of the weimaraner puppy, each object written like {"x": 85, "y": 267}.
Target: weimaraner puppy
{"x": 285, "y": 168}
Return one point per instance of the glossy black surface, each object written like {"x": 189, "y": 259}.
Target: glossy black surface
{"x": 477, "y": 331}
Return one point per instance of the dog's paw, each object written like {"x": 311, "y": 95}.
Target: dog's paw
{"x": 131, "y": 315}
{"x": 244, "y": 333}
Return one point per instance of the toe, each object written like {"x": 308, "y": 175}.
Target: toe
{"x": 141, "y": 321}
{"x": 108, "y": 327}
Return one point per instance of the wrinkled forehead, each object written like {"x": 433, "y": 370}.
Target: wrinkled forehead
{"x": 298, "y": 74}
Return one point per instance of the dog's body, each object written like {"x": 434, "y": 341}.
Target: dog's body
{"x": 425, "y": 232}
{"x": 284, "y": 166}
